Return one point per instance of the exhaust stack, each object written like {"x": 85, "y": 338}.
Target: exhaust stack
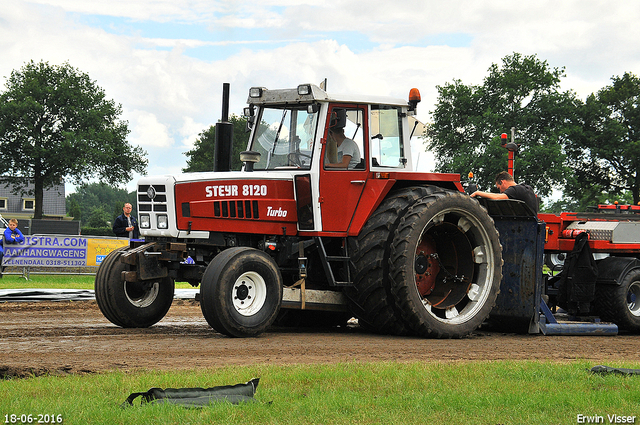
{"x": 223, "y": 147}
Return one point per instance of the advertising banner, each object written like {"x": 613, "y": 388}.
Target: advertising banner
{"x": 98, "y": 249}
{"x": 59, "y": 251}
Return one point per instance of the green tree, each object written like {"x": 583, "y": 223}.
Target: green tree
{"x": 95, "y": 204}
{"x": 99, "y": 218}
{"x": 524, "y": 92}
{"x": 56, "y": 123}
{"x": 201, "y": 157}
{"x": 606, "y": 153}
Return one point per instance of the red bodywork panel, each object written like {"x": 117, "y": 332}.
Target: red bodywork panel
{"x": 269, "y": 206}
{"x": 377, "y": 188}
{"x": 555, "y": 241}
{"x": 237, "y": 206}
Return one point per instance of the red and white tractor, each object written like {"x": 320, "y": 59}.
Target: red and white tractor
{"x": 292, "y": 236}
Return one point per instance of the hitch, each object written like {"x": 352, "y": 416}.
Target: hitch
{"x": 549, "y": 325}
{"x": 148, "y": 261}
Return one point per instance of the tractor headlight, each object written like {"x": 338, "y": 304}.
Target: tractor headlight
{"x": 163, "y": 222}
{"x": 145, "y": 221}
{"x": 304, "y": 89}
{"x": 256, "y": 92}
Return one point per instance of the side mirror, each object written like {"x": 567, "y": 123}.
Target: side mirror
{"x": 249, "y": 114}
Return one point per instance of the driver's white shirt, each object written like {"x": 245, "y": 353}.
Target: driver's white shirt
{"x": 349, "y": 147}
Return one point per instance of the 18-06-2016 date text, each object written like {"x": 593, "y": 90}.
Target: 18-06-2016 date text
{"x": 33, "y": 418}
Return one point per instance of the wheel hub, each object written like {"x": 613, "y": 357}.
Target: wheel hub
{"x": 446, "y": 255}
{"x": 249, "y": 293}
{"x": 242, "y": 292}
{"x": 422, "y": 264}
{"x": 426, "y": 268}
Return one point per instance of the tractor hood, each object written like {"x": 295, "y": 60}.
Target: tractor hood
{"x": 195, "y": 204}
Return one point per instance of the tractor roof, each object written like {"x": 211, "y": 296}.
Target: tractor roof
{"x": 308, "y": 93}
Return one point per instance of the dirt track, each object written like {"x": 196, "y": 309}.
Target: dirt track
{"x": 74, "y": 337}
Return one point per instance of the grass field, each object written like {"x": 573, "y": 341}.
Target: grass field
{"x": 350, "y": 393}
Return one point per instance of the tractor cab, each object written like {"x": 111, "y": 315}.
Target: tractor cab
{"x": 330, "y": 144}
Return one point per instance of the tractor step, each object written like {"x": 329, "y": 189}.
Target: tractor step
{"x": 327, "y": 260}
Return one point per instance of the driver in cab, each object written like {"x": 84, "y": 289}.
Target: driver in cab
{"x": 341, "y": 151}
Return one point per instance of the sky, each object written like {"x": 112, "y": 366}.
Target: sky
{"x": 165, "y": 61}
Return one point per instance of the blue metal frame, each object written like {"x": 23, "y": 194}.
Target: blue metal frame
{"x": 519, "y": 306}
{"x": 550, "y": 326}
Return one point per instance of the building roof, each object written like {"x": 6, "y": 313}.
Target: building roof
{"x": 22, "y": 204}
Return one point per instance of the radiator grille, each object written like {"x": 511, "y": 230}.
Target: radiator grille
{"x": 236, "y": 209}
{"x": 158, "y": 203}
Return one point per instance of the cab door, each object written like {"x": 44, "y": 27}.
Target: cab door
{"x": 341, "y": 188}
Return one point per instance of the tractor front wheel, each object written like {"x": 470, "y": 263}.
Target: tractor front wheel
{"x": 130, "y": 304}
{"x": 241, "y": 292}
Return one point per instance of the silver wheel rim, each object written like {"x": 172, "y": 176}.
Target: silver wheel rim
{"x": 633, "y": 298}
{"x": 141, "y": 296}
{"x": 482, "y": 282}
{"x": 557, "y": 259}
{"x": 249, "y": 293}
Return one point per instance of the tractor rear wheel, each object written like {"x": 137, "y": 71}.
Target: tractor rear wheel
{"x": 445, "y": 265}
{"x": 620, "y": 304}
{"x": 130, "y": 304}
{"x": 241, "y": 292}
{"x": 370, "y": 299}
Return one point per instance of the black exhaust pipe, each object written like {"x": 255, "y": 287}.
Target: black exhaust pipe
{"x": 223, "y": 148}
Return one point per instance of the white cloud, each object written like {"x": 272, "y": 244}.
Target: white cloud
{"x": 155, "y": 10}
{"x": 361, "y": 46}
{"x": 147, "y": 131}
{"x": 190, "y": 131}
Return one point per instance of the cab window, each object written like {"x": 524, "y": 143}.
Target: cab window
{"x": 284, "y": 138}
{"x": 345, "y": 139}
{"x": 387, "y": 149}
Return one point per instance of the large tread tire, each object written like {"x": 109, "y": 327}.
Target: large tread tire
{"x": 445, "y": 265}
{"x": 241, "y": 292}
{"x": 370, "y": 298}
{"x": 130, "y": 304}
{"x": 620, "y": 304}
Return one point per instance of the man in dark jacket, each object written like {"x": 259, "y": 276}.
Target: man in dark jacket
{"x": 126, "y": 225}
{"x": 509, "y": 189}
